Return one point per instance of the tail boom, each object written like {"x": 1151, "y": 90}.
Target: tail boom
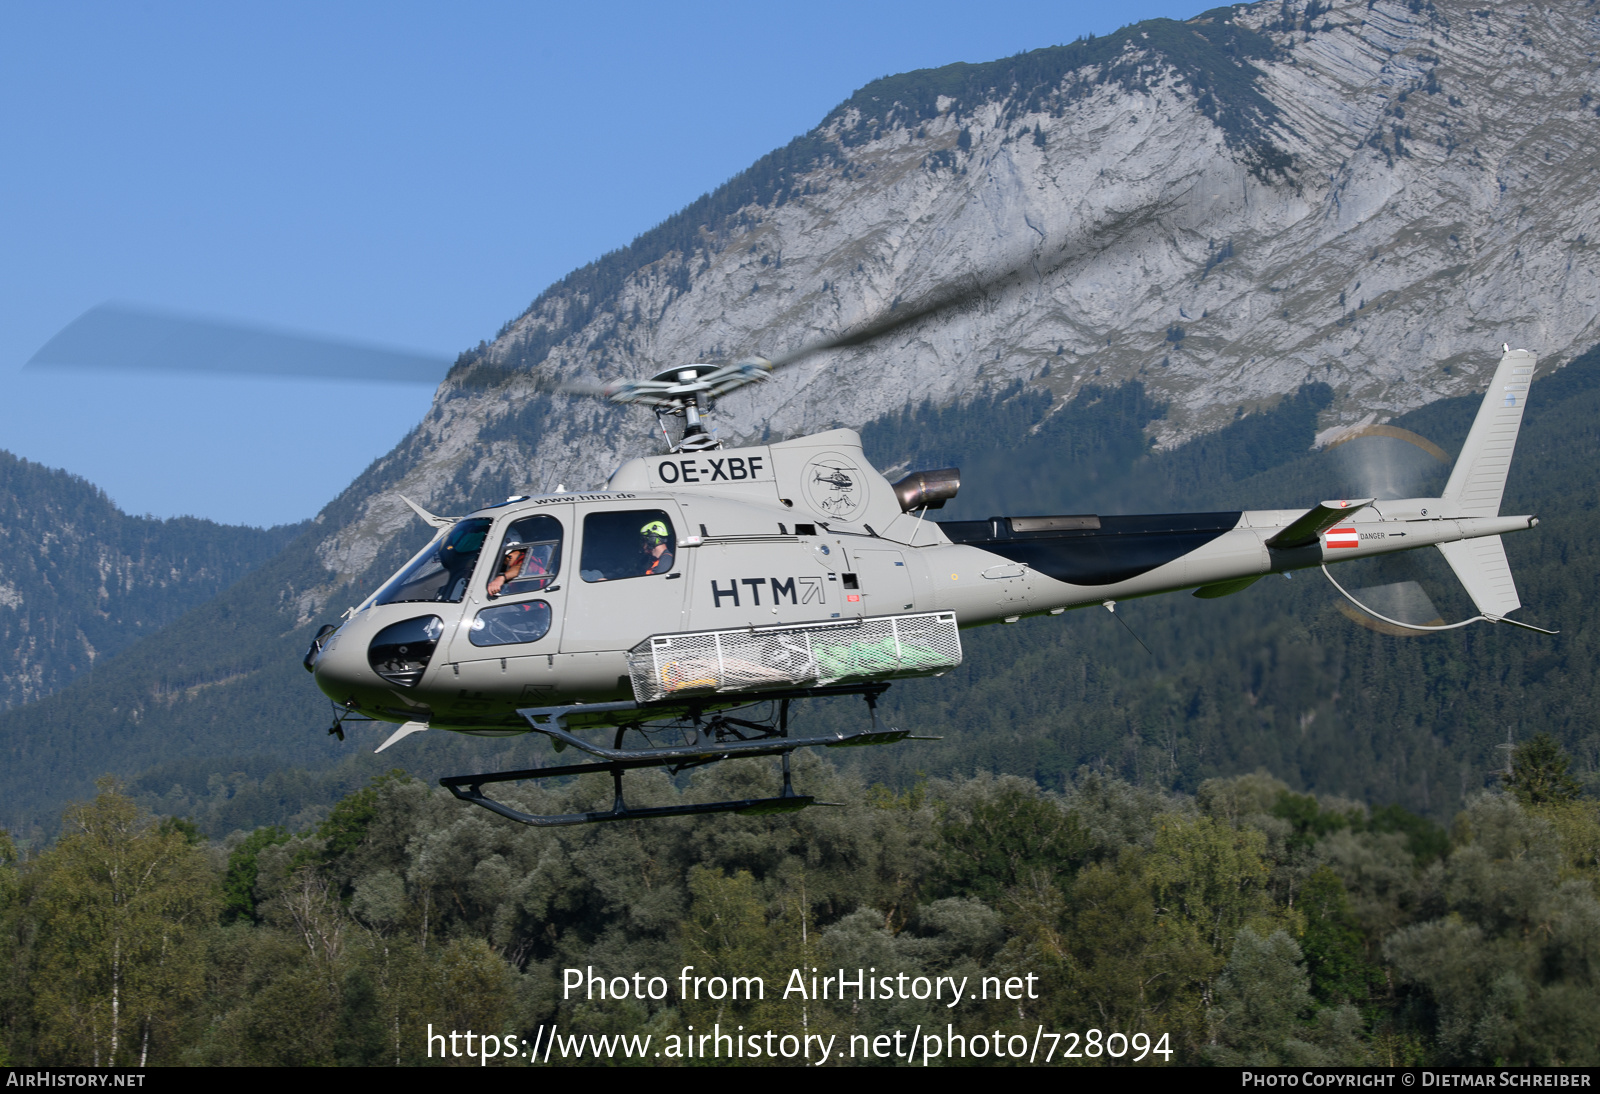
{"x": 1030, "y": 565}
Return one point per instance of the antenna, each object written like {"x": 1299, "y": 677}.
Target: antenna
{"x": 1111, "y": 606}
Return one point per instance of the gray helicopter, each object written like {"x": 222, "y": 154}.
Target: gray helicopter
{"x": 705, "y": 582}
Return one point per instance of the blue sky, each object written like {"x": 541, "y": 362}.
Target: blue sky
{"x": 401, "y": 174}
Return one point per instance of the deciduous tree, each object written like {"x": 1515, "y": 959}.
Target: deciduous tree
{"x": 120, "y": 904}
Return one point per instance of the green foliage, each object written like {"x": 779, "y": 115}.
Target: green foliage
{"x": 1308, "y": 822}
{"x": 1263, "y": 1018}
{"x": 183, "y": 827}
{"x": 1113, "y": 954}
{"x": 732, "y": 930}
{"x": 121, "y": 903}
{"x": 347, "y": 824}
{"x": 15, "y": 928}
{"x": 1539, "y": 772}
{"x": 1511, "y": 967}
{"x": 1210, "y": 876}
{"x": 1012, "y": 839}
{"x": 1426, "y": 840}
{"x": 1255, "y": 443}
{"x": 1124, "y": 909}
{"x": 1141, "y": 936}
{"x": 1263, "y": 998}
{"x": 1333, "y": 942}
{"x": 1577, "y": 825}
{"x": 239, "y": 882}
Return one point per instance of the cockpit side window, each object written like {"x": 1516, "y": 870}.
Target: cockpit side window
{"x": 440, "y": 574}
{"x": 529, "y": 558}
{"x": 627, "y": 543}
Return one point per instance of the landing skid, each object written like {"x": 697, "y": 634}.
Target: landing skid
{"x": 714, "y": 740}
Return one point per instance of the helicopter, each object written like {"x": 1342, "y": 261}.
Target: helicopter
{"x": 703, "y": 581}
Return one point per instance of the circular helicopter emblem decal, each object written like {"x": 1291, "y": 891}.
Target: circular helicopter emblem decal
{"x": 834, "y": 485}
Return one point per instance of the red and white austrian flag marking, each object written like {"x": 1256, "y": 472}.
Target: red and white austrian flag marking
{"x": 1340, "y": 537}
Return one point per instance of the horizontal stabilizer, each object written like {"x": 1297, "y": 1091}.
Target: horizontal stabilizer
{"x": 1478, "y": 480}
{"x": 1226, "y": 588}
{"x": 1482, "y": 567}
{"x": 1309, "y": 526}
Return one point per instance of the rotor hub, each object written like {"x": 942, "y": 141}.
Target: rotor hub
{"x": 688, "y": 391}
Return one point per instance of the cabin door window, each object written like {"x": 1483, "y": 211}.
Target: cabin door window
{"x": 630, "y": 577}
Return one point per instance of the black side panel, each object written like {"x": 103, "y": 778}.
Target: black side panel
{"x": 1121, "y": 548}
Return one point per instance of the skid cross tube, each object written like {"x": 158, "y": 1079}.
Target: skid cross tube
{"x": 617, "y": 760}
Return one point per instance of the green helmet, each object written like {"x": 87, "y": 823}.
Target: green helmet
{"x": 655, "y": 532}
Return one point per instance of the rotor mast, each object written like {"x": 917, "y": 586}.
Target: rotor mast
{"x": 696, "y": 438}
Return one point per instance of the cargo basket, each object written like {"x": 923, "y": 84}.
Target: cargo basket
{"x": 806, "y": 654}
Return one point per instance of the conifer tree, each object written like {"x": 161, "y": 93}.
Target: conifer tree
{"x": 1539, "y": 772}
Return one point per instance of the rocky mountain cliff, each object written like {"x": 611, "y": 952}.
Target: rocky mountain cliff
{"x": 1374, "y": 195}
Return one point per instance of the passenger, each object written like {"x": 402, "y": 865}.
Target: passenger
{"x": 654, "y": 545}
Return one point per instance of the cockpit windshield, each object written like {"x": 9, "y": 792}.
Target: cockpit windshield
{"x": 441, "y": 573}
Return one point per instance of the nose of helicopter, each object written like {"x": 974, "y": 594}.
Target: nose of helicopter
{"x": 363, "y": 660}
{"x": 337, "y": 672}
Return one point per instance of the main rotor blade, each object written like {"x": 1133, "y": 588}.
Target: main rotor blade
{"x": 952, "y": 294}
{"x": 900, "y": 316}
{"x": 482, "y": 376}
{"x": 115, "y": 336}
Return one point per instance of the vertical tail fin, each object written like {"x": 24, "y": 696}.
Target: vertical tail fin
{"x": 1478, "y": 480}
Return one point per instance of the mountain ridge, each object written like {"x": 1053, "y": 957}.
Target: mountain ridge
{"x": 80, "y": 580}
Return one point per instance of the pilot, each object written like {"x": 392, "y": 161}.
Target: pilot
{"x": 653, "y": 542}
{"x": 508, "y": 570}
{"x": 520, "y": 564}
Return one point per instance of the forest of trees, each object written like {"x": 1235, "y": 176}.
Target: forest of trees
{"x": 1243, "y": 924}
